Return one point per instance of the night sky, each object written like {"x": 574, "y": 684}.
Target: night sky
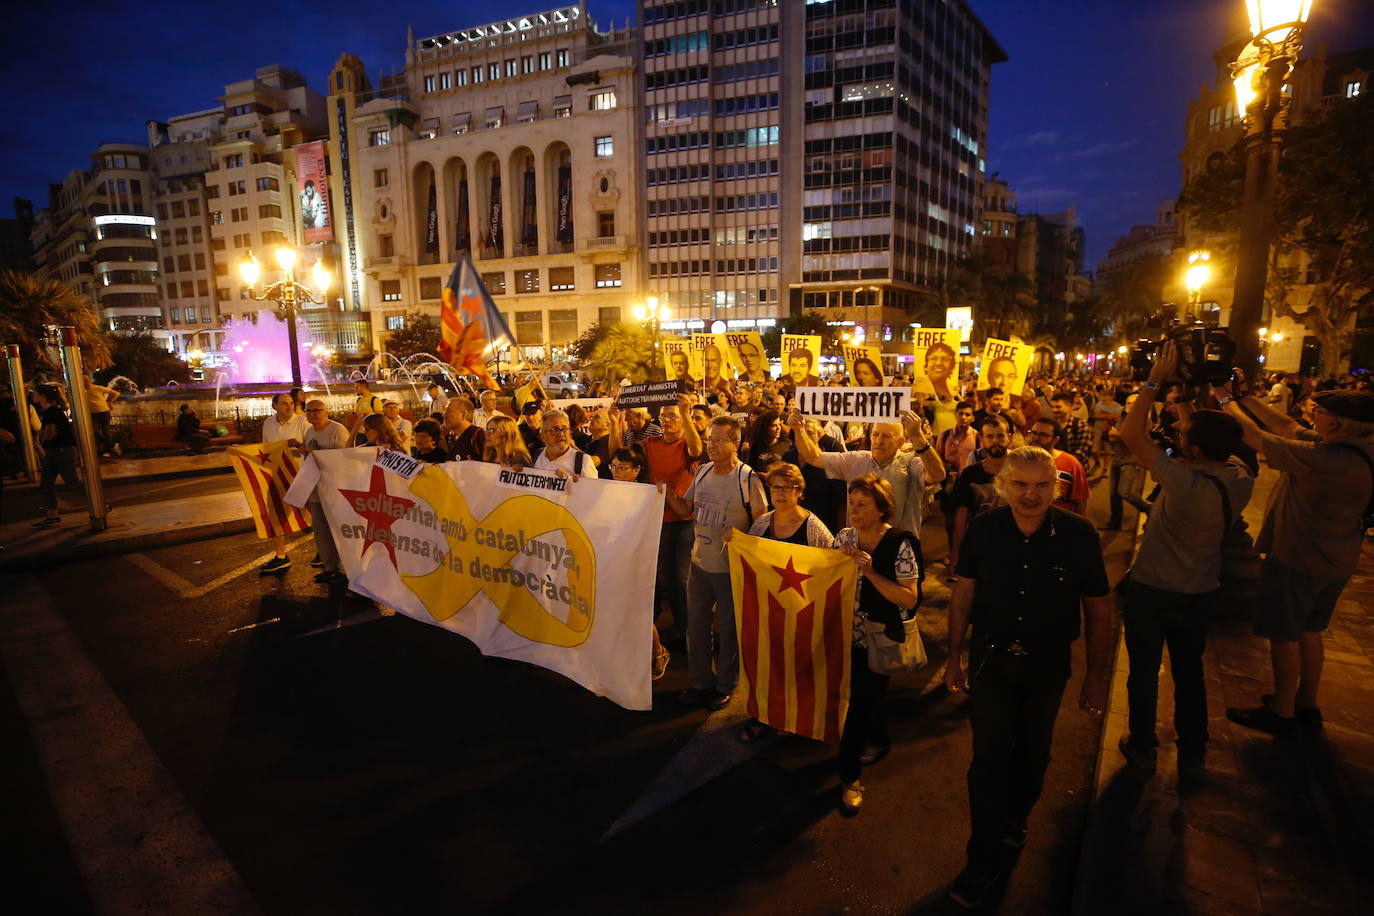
{"x": 1089, "y": 110}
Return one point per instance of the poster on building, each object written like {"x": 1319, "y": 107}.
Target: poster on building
{"x": 677, "y": 361}
{"x": 710, "y": 352}
{"x": 1005, "y": 365}
{"x": 801, "y": 360}
{"x": 935, "y": 361}
{"x": 865, "y": 365}
{"x": 312, "y": 184}
{"x": 746, "y": 356}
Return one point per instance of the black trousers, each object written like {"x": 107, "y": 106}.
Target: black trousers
{"x": 1014, "y": 701}
{"x": 1155, "y": 618}
{"x": 864, "y": 723}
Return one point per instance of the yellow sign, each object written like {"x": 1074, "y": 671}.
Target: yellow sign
{"x": 710, "y": 350}
{"x": 1005, "y": 365}
{"x": 677, "y": 361}
{"x": 747, "y": 356}
{"x": 936, "y": 361}
{"x": 801, "y": 360}
{"x": 865, "y": 366}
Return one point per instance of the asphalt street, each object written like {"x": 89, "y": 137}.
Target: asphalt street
{"x": 345, "y": 762}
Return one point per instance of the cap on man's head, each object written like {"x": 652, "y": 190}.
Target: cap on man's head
{"x": 1349, "y": 405}
{"x": 184, "y": 407}
{"x": 530, "y": 409}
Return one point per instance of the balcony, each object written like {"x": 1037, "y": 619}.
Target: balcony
{"x": 390, "y": 262}
{"x": 606, "y": 242}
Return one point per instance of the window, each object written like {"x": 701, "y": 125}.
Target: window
{"x": 601, "y": 99}
{"x": 162, "y": 212}
{"x": 607, "y": 275}
{"x": 561, "y": 279}
{"x": 193, "y": 207}
{"x": 221, "y": 269}
{"x": 268, "y": 184}
{"x": 477, "y": 74}
{"x": 268, "y": 211}
{"x": 200, "y": 260}
{"x": 202, "y": 287}
{"x": 493, "y": 71}
{"x": 178, "y": 209}
{"x": 394, "y": 322}
{"x": 205, "y": 313}
{"x": 386, "y": 246}
{"x": 1353, "y": 89}
{"x": 562, "y": 106}
{"x": 431, "y": 287}
{"x": 181, "y": 235}
{"x": 238, "y": 214}
{"x": 243, "y": 241}
{"x": 217, "y": 244}
{"x": 238, "y": 187}
{"x": 460, "y": 77}
{"x": 527, "y": 281}
{"x": 171, "y": 290}
{"x": 380, "y": 178}
{"x": 561, "y": 58}
{"x": 446, "y": 80}
{"x": 234, "y": 162}
{"x": 176, "y": 315}
{"x": 429, "y": 84}
{"x": 605, "y": 146}
{"x": 496, "y": 115}
{"x": 495, "y": 283}
{"x": 188, "y": 289}
{"x": 221, "y": 293}
{"x": 527, "y": 64}
{"x": 608, "y": 314}
{"x": 273, "y": 237}
{"x": 529, "y": 327}
{"x": 183, "y": 262}
{"x": 212, "y": 192}
{"x": 391, "y": 292}
{"x": 379, "y": 137}
{"x": 197, "y": 235}
{"x": 605, "y": 223}
{"x": 545, "y": 60}
{"x": 562, "y": 326}
{"x": 511, "y": 67}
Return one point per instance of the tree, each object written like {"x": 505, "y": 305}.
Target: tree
{"x": 141, "y": 358}
{"x": 625, "y": 350}
{"x": 1130, "y": 294}
{"x": 585, "y": 345}
{"x": 1324, "y": 222}
{"x": 29, "y": 303}
{"x": 805, "y": 323}
{"x": 419, "y": 334}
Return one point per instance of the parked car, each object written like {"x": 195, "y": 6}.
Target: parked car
{"x": 561, "y": 385}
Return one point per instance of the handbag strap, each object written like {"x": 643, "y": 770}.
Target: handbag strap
{"x": 1228, "y": 518}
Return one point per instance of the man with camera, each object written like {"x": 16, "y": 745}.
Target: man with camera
{"x": 1311, "y": 539}
{"x": 1178, "y": 567}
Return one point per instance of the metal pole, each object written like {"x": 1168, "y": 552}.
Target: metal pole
{"x": 85, "y": 428}
{"x": 21, "y": 407}
{"x": 289, "y": 301}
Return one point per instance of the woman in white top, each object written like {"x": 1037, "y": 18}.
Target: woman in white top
{"x": 285, "y": 425}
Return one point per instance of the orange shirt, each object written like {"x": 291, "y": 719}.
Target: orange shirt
{"x": 669, "y": 464}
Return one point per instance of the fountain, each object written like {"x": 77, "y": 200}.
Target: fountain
{"x": 257, "y": 347}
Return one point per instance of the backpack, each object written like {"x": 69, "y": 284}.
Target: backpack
{"x": 1367, "y": 520}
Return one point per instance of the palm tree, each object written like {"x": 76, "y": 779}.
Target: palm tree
{"x": 30, "y": 303}
{"x": 626, "y": 350}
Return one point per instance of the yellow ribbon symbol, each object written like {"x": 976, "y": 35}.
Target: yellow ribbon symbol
{"x": 480, "y": 551}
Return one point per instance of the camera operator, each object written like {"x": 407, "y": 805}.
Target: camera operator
{"x": 1178, "y": 566}
{"x": 1311, "y": 538}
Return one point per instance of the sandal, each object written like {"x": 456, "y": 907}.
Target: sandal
{"x": 661, "y": 663}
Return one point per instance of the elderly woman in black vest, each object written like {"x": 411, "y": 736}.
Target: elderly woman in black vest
{"x": 888, "y": 559}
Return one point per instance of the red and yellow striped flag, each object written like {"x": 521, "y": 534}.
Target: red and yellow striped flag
{"x": 265, "y": 472}
{"x": 794, "y": 612}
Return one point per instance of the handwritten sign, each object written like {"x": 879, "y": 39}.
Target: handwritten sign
{"x": 397, "y": 463}
{"x": 855, "y": 405}
{"x": 654, "y": 394}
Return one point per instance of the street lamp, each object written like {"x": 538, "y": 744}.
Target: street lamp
{"x": 1195, "y": 277}
{"x": 650, "y": 316}
{"x": 288, "y": 293}
{"x": 1259, "y": 73}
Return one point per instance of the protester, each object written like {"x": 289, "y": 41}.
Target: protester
{"x": 323, "y": 434}
{"x": 505, "y": 444}
{"x": 976, "y": 491}
{"x": 463, "y": 439}
{"x": 888, "y": 593}
{"x": 723, "y": 494}
{"x": 99, "y": 401}
{"x": 404, "y": 428}
{"x": 190, "y": 430}
{"x": 59, "y": 452}
{"x": 627, "y": 466}
{"x": 768, "y": 443}
{"x": 997, "y": 403}
{"x": 599, "y": 446}
{"x": 1071, "y": 488}
{"x": 365, "y": 406}
{"x": 577, "y": 419}
{"x": 438, "y": 399}
{"x": 559, "y": 454}
{"x": 486, "y": 409}
{"x": 671, "y": 458}
{"x": 1024, "y": 570}
{"x": 428, "y": 436}
{"x": 1311, "y": 540}
{"x": 1177, "y": 570}
{"x": 530, "y": 425}
{"x": 639, "y": 425}
{"x": 379, "y": 432}
{"x": 298, "y": 400}
{"x": 285, "y": 425}
{"x": 1074, "y": 435}
{"x": 954, "y": 447}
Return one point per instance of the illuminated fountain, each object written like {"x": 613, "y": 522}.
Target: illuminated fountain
{"x": 258, "y": 350}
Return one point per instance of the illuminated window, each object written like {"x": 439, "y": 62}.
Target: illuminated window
{"x": 379, "y": 137}
{"x": 607, "y": 275}
{"x": 1353, "y": 89}
{"x": 394, "y": 322}
{"x": 391, "y": 292}
{"x": 605, "y": 146}
{"x": 602, "y": 99}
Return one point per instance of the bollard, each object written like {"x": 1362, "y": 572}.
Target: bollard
{"x": 85, "y": 427}
{"x": 21, "y": 407}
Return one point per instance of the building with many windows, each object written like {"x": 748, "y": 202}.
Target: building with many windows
{"x": 515, "y": 142}
{"x": 882, "y": 104}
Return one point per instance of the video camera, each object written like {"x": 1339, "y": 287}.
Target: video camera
{"x": 1205, "y": 354}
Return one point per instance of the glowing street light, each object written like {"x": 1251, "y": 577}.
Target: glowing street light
{"x": 650, "y": 315}
{"x": 287, "y": 293}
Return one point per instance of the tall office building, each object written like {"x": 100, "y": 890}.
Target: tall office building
{"x": 815, "y": 155}
{"x": 516, "y": 142}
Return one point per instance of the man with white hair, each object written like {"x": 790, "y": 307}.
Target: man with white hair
{"x": 559, "y": 453}
{"x": 482, "y": 416}
{"x": 1030, "y": 576}
{"x": 639, "y": 425}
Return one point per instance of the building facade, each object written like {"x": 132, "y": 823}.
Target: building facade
{"x": 1142, "y": 241}
{"x": 1049, "y": 251}
{"x": 884, "y": 107}
{"x": 999, "y": 223}
{"x": 517, "y": 143}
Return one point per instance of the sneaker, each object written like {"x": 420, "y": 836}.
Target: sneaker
{"x": 718, "y": 701}
{"x": 873, "y": 753}
{"x": 1309, "y": 717}
{"x": 1263, "y": 719}
{"x": 851, "y": 797}
{"x": 317, "y": 563}
{"x": 971, "y": 888}
{"x": 1144, "y": 760}
{"x": 337, "y": 577}
{"x": 274, "y": 565}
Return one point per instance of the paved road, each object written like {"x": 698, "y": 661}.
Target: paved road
{"x": 346, "y": 763}
{"x": 24, "y": 502}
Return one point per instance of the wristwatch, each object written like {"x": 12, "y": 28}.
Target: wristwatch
{"x": 1224, "y": 400}
{"x": 1152, "y": 385}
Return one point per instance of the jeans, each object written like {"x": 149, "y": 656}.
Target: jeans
{"x": 674, "y": 564}
{"x": 1127, "y": 483}
{"x": 708, "y": 591}
{"x": 100, "y": 419}
{"x": 1013, "y": 702}
{"x": 1153, "y": 618}
{"x": 864, "y": 724}
{"x": 59, "y": 460}
{"x": 324, "y": 538}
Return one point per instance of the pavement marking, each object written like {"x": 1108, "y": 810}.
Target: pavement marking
{"x": 352, "y": 620}
{"x": 138, "y": 844}
{"x": 187, "y": 589}
{"x": 254, "y": 626}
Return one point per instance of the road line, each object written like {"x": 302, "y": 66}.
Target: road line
{"x": 139, "y": 845}
{"x": 187, "y": 589}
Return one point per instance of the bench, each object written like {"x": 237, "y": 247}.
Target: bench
{"x": 162, "y": 437}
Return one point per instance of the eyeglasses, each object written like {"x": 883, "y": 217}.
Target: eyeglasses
{"x": 623, "y": 468}
{"x": 783, "y": 487}
{"x": 557, "y": 429}
{"x": 710, "y": 440}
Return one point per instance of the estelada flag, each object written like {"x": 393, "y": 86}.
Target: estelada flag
{"x": 472, "y": 330}
{"x": 794, "y": 612}
{"x": 265, "y": 472}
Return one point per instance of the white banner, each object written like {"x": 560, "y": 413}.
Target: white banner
{"x": 549, "y": 577}
{"x": 855, "y": 405}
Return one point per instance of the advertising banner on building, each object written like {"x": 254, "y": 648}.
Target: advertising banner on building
{"x": 528, "y": 565}
{"x": 564, "y": 231}
{"x": 1005, "y": 365}
{"x": 746, "y": 356}
{"x": 710, "y": 350}
{"x": 432, "y": 221}
{"x": 312, "y": 186}
{"x": 677, "y": 361}
{"x": 801, "y": 360}
{"x": 865, "y": 365}
{"x": 935, "y": 365}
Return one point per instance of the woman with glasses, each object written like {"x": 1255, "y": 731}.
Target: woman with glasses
{"x": 627, "y": 466}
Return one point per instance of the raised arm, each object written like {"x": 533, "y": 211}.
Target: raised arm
{"x": 689, "y": 429}
{"x": 807, "y": 449}
{"x": 918, "y": 434}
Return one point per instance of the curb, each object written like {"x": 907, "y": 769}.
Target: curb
{"x": 76, "y": 551}
{"x": 142, "y": 478}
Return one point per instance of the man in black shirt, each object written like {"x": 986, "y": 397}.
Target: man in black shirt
{"x": 1025, "y": 569}
{"x": 975, "y": 492}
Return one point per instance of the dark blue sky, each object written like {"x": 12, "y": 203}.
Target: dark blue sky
{"x": 1089, "y": 110}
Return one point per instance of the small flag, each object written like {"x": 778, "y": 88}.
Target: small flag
{"x": 471, "y": 328}
{"x": 794, "y": 612}
{"x": 265, "y": 472}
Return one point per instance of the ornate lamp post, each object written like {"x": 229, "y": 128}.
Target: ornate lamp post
{"x": 288, "y": 294}
{"x": 1195, "y": 277}
{"x": 651, "y": 316}
{"x": 1259, "y": 74}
